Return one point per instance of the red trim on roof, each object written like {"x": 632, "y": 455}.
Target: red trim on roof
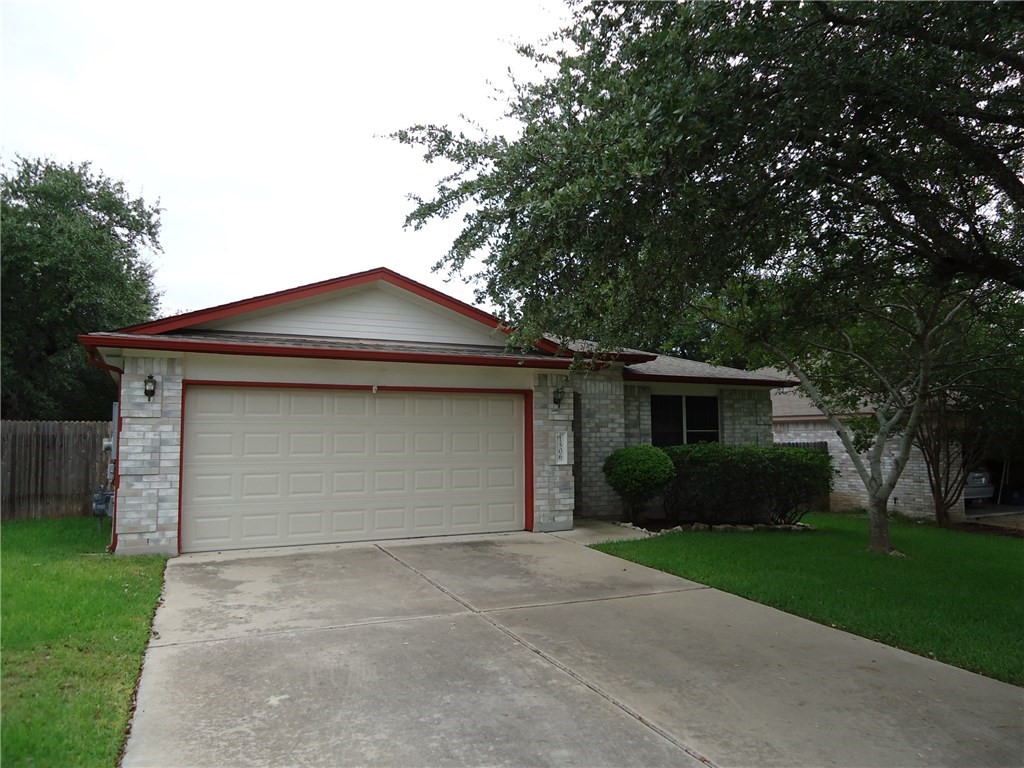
{"x": 174, "y": 344}
{"x": 266, "y": 301}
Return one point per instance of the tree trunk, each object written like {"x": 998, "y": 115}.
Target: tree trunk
{"x": 878, "y": 525}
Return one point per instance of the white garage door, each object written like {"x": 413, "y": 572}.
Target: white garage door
{"x": 272, "y": 467}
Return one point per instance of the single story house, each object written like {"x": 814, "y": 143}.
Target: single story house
{"x": 371, "y": 407}
{"x": 797, "y": 419}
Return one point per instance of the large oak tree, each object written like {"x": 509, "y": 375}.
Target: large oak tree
{"x": 742, "y": 158}
{"x": 74, "y": 260}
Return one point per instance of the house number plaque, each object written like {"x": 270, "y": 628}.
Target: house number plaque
{"x": 561, "y": 447}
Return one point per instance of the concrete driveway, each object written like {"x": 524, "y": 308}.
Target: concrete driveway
{"x": 528, "y": 650}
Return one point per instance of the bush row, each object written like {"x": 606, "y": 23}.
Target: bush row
{"x": 715, "y": 484}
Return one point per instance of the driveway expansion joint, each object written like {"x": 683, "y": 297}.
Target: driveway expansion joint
{"x": 305, "y": 630}
{"x": 625, "y": 708}
{"x": 583, "y": 600}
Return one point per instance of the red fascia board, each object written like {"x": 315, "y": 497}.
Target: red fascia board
{"x": 171, "y": 344}
{"x": 269, "y": 300}
{"x": 632, "y": 376}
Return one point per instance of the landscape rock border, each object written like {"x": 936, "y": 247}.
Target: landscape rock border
{"x": 725, "y": 528}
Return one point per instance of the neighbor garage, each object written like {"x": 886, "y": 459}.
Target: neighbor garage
{"x": 284, "y": 466}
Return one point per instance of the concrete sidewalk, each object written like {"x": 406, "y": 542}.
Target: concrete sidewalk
{"x": 528, "y": 650}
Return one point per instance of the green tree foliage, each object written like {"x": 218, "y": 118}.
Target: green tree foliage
{"x": 981, "y": 412}
{"x": 673, "y": 144}
{"x": 72, "y": 262}
{"x": 836, "y": 182}
{"x": 889, "y": 349}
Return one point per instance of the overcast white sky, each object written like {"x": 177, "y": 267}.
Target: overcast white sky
{"x": 259, "y": 126}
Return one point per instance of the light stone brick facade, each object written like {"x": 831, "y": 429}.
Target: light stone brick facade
{"x": 912, "y": 495}
{"x": 149, "y": 457}
{"x": 601, "y": 424}
{"x": 746, "y": 416}
{"x": 613, "y": 414}
{"x": 638, "y": 414}
{"x": 570, "y": 442}
{"x": 554, "y": 491}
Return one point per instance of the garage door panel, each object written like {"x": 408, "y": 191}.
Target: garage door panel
{"x": 260, "y": 486}
{"x": 385, "y": 406}
{"x": 261, "y": 403}
{"x": 428, "y": 442}
{"x": 349, "y": 482}
{"x": 392, "y": 443}
{"x": 390, "y": 480}
{"x": 214, "y": 445}
{"x": 465, "y": 442}
{"x": 261, "y": 444}
{"x": 307, "y": 445}
{"x": 350, "y": 444}
{"x": 428, "y": 406}
{"x": 311, "y": 404}
{"x": 256, "y": 527}
{"x": 270, "y": 468}
{"x": 501, "y": 513}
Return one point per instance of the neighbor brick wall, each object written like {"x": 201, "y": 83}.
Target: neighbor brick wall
{"x": 149, "y": 457}
{"x": 912, "y": 495}
{"x": 553, "y": 484}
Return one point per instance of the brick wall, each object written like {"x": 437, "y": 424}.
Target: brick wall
{"x": 637, "y": 413}
{"x": 602, "y": 427}
{"x": 553, "y": 484}
{"x": 746, "y": 416}
{"x": 912, "y": 495}
{"x": 149, "y": 457}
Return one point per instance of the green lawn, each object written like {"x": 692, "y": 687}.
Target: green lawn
{"x": 957, "y": 597}
{"x": 75, "y": 622}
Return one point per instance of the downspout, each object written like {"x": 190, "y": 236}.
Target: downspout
{"x": 98, "y": 362}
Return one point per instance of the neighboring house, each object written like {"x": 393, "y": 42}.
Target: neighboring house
{"x": 796, "y": 419}
{"x": 373, "y": 407}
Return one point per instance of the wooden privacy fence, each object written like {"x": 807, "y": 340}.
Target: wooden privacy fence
{"x": 51, "y": 468}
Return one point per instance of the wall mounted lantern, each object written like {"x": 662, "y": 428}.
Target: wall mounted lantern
{"x": 557, "y": 395}
{"x": 149, "y": 387}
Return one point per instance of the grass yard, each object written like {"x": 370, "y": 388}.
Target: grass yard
{"x": 75, "y": 622}
{"x": 957, "y": 597}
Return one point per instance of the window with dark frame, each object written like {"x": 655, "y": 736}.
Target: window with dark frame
{"x": 678, "y": 419}
{"x": 701, "y": 419}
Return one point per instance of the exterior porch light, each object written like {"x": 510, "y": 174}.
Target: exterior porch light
{"x": 557, "y": 396}
{"x": 149, "y": 387}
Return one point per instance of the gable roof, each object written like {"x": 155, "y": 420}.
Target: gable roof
{"x": 313, "y": 290}
{"x": 248, "y": 328}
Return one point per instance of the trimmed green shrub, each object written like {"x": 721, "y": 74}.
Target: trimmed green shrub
{"x": 637, "y": 473}
{"x": 744, "y": 484}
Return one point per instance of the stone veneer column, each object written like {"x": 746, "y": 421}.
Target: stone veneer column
{"x": 149, "y": 458}
{"x": 553, "y": 485}
{"x": 746, "y": 416}
{"x": 603, "y": 430}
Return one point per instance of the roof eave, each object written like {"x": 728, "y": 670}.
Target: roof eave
{"x": 94, "y": 342}
{"x": 746, "y": 382}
